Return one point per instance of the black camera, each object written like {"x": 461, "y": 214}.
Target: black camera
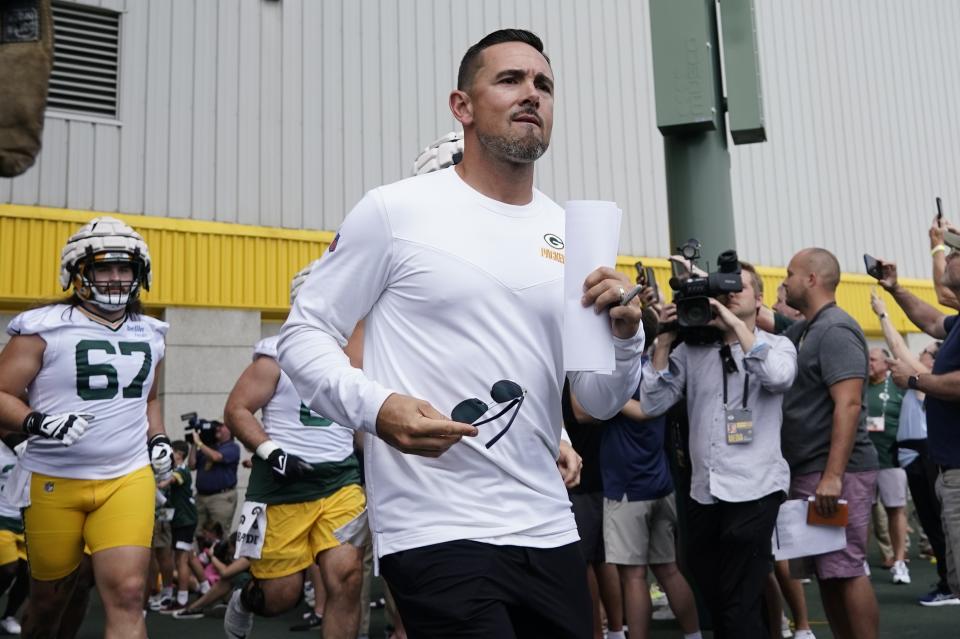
{"x": 692, "y": 293}
{"x": 204, "y": 429}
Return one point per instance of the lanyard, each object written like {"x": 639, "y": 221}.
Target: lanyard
{"x": 746, "y": 384}
{"x": 884, "y": 396}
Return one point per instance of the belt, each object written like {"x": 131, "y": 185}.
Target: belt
{"x": 217, "y": 492}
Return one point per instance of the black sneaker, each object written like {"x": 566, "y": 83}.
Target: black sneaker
{"x": 310, "y": 622}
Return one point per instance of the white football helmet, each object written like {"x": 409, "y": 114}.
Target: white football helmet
{"x": 298, "y": 281}
{"x": 441, "y": 153}
{"x": 105, "y": 240}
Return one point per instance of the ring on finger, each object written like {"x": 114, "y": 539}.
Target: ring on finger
{"x": 623, "y": 294}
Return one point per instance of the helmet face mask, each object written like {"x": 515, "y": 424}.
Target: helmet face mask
{"x": 110, "y": 279}
{"x": 107, "y": 263}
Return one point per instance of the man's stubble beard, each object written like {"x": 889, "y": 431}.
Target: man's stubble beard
{"x": 520, "y": 150}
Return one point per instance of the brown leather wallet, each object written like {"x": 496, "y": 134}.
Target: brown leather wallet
{"x": 839, "y": 518}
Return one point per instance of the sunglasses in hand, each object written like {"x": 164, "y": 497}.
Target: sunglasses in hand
{"x": 469, "y": 411}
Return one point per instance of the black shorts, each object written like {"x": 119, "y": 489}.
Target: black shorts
{"x": 588, "y": 512}
{"x": 468, "y": 589}
{"x": 183, "y": 537}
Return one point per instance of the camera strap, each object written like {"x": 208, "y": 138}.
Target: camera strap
{"x": 746, "y": 389}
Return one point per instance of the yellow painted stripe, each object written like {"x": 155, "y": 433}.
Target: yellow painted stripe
{"x": 222, "y": 265}
{"x": 195, "y": 263}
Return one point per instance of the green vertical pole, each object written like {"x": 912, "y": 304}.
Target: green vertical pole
{"x": 690, "y": 114}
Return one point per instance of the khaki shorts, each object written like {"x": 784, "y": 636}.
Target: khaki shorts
{"x": 162, "y": 537}
{"x": 892, "y": 487}
{"x": 640, "y": 533}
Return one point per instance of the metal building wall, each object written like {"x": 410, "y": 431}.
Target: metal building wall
{"x": 859, "y": 100}
{"x": 282, "y": 113}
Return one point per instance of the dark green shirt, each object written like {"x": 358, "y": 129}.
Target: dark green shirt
{"x": 883, "y": 400}
{"x": 181, "y": 499}
{"x": 327, "y": 478}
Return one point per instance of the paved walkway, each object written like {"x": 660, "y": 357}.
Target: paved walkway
{"x": 900, "y": 616}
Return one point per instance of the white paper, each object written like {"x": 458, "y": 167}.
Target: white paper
{"x": 591, "y": 239}
{"x": 793, "y": 537}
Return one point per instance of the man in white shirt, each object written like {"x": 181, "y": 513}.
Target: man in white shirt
{"x": 471, "y": 523}
{"x": 734, "y": 392}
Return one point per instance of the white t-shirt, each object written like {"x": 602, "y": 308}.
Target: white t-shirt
{"x": 458, "y": 291}
{"x": 296, "y": 428}
{"x": 89, "y": 368}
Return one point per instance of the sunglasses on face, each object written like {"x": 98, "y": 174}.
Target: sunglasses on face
{"x": 469, "y": 411}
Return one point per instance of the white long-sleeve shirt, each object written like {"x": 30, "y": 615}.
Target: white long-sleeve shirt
{"x": 458, "y": 291}
{"x": 728, "y": 472}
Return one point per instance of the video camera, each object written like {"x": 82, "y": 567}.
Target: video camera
{"x": 691, "y": 292}
{"x": 206, "y": 430}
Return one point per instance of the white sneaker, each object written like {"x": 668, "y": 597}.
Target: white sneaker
{"x": 900, "y": 574}
{"x": 10, "y": 626}
{"x": 663, "y": 613}
{"x": 237, "y": 622}
{"x": 806, "y": 633}
{"x": 657, "y": 597}
{"x": 785, "y": 631}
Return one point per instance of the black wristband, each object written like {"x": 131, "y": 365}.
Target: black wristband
{"x": 159, "y": 437}
{"x": 31, "y": 423}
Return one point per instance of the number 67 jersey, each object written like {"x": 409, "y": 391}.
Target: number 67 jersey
{"x": 90, "y": 368}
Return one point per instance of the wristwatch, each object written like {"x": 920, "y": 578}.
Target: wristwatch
{"x": 912, "y": 381}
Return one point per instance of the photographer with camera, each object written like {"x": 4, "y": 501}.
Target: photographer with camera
{"x": 734, "y": 390}
{"x": 214, "y": 455}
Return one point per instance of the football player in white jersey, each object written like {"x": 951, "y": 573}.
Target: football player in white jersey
{"x": 306, "y": 481}
{"x": 96, "y": 435}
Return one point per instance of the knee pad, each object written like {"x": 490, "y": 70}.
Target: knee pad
{"x": 252, "y": 597}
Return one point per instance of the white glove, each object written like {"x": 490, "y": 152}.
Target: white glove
{"x": 161, "y": 455}
{"x": 441, "y": 153}
{"x": 66, "y": 428}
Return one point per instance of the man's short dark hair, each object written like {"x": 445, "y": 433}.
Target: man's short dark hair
{"x": 181, "y": 447}
{"x": 471, "y": 59}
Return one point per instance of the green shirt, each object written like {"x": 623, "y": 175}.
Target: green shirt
{"x": 327, "y": 478}
{"x": 181, "y": 499}
{"x": 883, "y": 400}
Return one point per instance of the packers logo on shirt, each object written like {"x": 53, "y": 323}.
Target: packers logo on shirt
{"x": 555, "y": 245}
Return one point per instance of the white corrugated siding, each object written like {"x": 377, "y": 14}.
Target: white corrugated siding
{"x": 282, "y": 113}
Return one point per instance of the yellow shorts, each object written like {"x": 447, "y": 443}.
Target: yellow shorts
{"x": 64, "y": 514}
{"x": 12, "y": 547}
{"x": 297, "y": 533}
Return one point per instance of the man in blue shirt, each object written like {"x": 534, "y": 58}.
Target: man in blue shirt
{"x": 639, "y": 509}
{"x": 216, "y": 467}
{"x": 942, "y": 389}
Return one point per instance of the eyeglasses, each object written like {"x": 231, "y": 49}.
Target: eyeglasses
{"x": 469, "y": 411}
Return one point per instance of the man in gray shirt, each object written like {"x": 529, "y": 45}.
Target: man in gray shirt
{"x": 734, "y": 392}
{"x": 825, "y": 435}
